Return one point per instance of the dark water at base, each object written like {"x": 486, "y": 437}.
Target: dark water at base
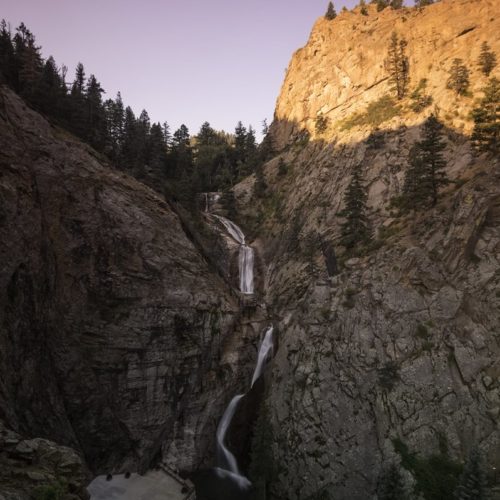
{"x": 218, "y": 484}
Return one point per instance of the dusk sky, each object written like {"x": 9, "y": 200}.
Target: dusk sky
{"x": 185, "y": 61}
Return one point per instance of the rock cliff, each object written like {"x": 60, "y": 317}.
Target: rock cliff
{"x": 400, "y": 345}
{"x": 116, "y": 335}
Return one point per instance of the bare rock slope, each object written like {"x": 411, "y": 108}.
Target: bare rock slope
{"x": 400, "y": 344}
{"x": 113, "y": 327}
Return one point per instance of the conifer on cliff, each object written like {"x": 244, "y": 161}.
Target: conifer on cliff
{"x": 487, "y": 59}
{"x": 356, "y": 229}
{"x": 425, "y": 175}
{"x": 459, "y": 77}
{"x": 330, "y": 12}
{"x": 397, "y": 65}
{"x": 486, "y": 133}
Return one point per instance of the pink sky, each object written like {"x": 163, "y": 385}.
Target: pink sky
{"x": 185, "y": 61}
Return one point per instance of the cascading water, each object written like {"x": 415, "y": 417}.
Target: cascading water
{"x": 246, "y": 255}
{"x": 227, "y": 461}
{"x": 265, "y": 353}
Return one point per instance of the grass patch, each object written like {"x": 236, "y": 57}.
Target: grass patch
{"x": 436, "y": 476}
{"x": 388, "y": 375}
{"x": 375, "y": 113}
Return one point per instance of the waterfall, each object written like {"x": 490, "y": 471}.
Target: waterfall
{"x": 227, "y": 461}
{"x": 246, "y": 255}
{"x": 265, "y": 352}
{"x": 226, "y": 458}
{"x": 245, "y": 264}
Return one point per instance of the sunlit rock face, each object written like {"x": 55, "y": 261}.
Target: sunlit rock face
{"x": 114, "y": 329}
{"x": 342, "y": 67}
{"x": 402, "y": 342}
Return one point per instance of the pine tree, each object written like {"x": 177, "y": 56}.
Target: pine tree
{"x": 487, "y": 59}
{"x": 396, "y": 4}
{"x": 330, "y": 12}
{"x": 78, "y": 105}
{"x": 156, "y": 155}
{"x": 486, "y": 133}
{"x": 391, "y": 485}
{"x": 96, "y": 125}
{"x": 432, "y": 155}
{"x": 398, "y": 65}
{"x": 415, "y": 188}
{"x": 6, "y": 55}
{"x": 423, "y": 3}
{"x": 459, "y": 77}
{"x": 473, "y": 481}
{"x": 356, "y": 229}
{"x": 425, "y": 175}
{"x": 362, "y": 5}
{"x": 206, "y": 136}
{"x": 29, "y": 62}
{"x": 381, "y": 4}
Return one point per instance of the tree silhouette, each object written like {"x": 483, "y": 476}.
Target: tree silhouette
{"x": 486, "y": 133}
{"x": 487, "y": 59}
{"x": 397, "y": 65}
{"x": 356, "y": 228}
{"x": 459, "y": 77}
{"x": 330, "y": 12}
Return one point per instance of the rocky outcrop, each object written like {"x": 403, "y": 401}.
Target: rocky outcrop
{"x": 342, "y": 67}
{"x": 38, "y": 467}
{"x": 116, "y": 336}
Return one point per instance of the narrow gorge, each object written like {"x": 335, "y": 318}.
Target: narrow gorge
{"x": 248, "y": 344}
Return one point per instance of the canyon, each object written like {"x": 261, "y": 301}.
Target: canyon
{"x": 122, "y": 342}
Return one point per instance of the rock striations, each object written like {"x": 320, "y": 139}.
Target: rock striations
{"x": 116, "y": 336}
{"x": 399, "y": 344}
{"x": 120, "y": 340}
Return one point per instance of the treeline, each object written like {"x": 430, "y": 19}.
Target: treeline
{"x": 174, "y": 162}
{"x": 381, "y": 5}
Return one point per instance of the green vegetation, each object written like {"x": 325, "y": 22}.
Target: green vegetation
{"x": 458, "y": 77}
{"x": 330, "y": 12}
{"x": 398, "y": 66}
{"x": 436, "y": 476}
{"x": 55, "y": 491}
{"x": 419, "y": 100}
{"x": 364, "y": 10}
{"x": 356, "y": 229}
{"x": 376, "y": 139}
{"x": 174, "y": 164}
{"x": 381, "y": 4}
{"x": 391, "y": 485}
{"x": 423, "y": 3}
{"x": 388, "y": 375}
{"x": 473, "y": 483}
{"x": 486, "y": 133}
{"x": 425, "y": 175}
{"x": 422, "y": 331}
{"x": 283, "y": 168}
{"x": 487, "y": 59}
{"x": 375, "y": 114}
{"x": 321, "y": 124}
{"x": 396, "y": 4}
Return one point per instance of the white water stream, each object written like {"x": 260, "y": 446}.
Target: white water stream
{"x": 227, "y": 460}
{"x": 246, "y": 255}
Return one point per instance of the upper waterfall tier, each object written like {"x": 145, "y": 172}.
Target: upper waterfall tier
{"x": 246, "y": 255}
